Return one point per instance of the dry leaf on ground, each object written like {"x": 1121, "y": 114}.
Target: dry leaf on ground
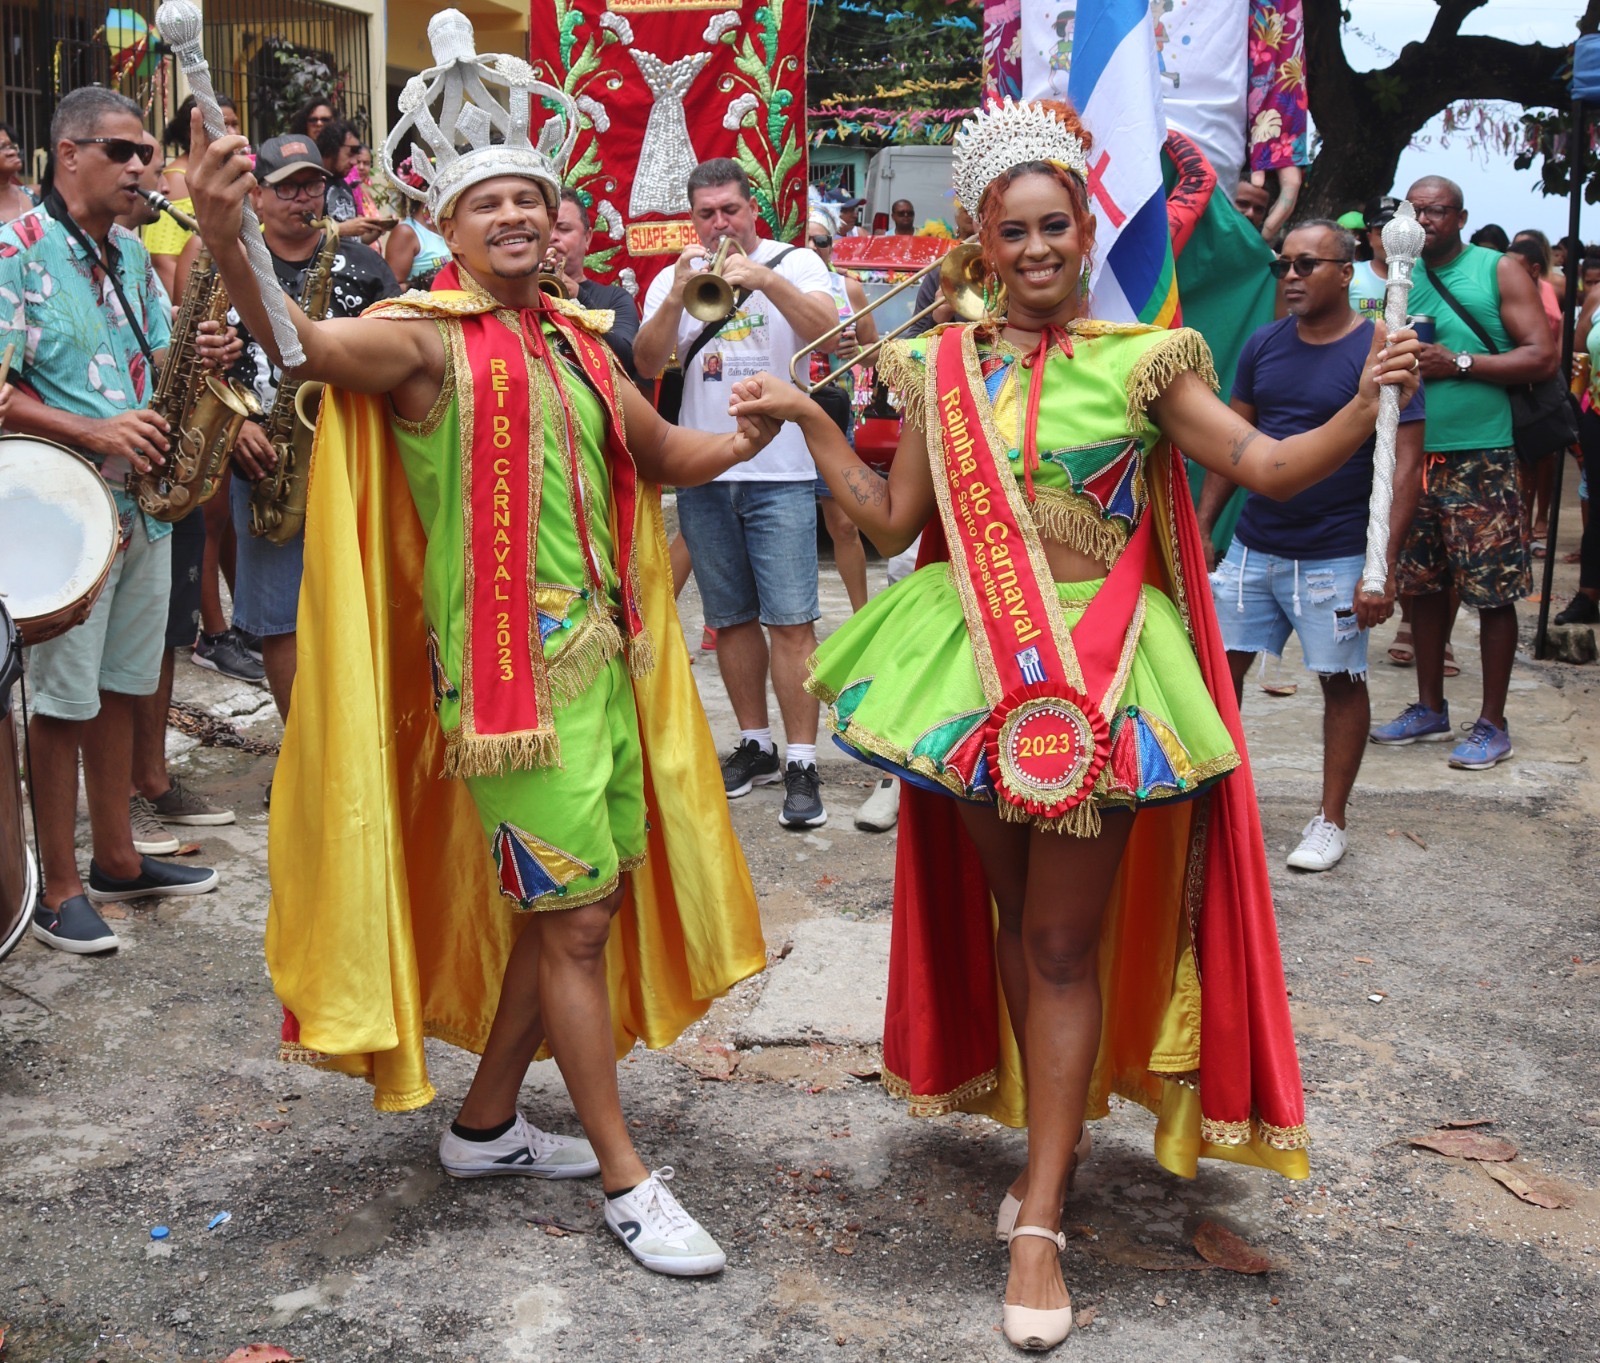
{"x": 1085, "y": 1317}
{"x": 1466, "y": 1145}
{"x": 1530, "y": 1188}
{"x": 1220, "y": 1246}
{"x": 261, "y": 1353}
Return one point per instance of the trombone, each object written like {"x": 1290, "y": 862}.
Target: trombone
{"x": 708, "y": 297}
{"x": 960, "y": 285}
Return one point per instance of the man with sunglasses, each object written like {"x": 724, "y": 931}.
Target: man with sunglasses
{"x": 1467, "y": 535}
{"x": 84, "y": 309}
{"x": 1295, "y": 566}
{"x": 288, "y": 199}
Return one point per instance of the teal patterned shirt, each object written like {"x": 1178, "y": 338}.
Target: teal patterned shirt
{"x": 74, "y": 346}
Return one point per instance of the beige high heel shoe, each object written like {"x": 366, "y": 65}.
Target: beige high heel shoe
{"x": 1006, "y": 1217}
{"x": 1026, "y": 1326}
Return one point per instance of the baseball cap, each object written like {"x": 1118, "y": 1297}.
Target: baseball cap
{"x": 841, "y": 198}
{"x": 281, "y": 157}
{"x": 1353, "y": 220}
{"x": 1379, "y": 211}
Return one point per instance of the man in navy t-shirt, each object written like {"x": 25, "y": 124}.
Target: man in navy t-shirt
{"x": 1296, "y": 565}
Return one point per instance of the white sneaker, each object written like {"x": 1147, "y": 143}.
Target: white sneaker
{"x": 522, "y": 1150}
{"x": 880, "y": 811}
{"x": 659, "y": 1233}
{"x": 1321, "y": 848}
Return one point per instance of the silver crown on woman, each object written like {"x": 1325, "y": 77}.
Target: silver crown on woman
{"x": 1004, "y": 135}
{"x": 466, "y": 119}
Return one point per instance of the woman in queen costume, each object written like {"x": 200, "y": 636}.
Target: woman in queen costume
{"x": 1081, "y": 897}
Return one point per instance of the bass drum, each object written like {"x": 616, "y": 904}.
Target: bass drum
{"x": 58, "y": 536}
{"x": 19, "y": 884}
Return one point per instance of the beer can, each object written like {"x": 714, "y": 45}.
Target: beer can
{"x": 1422, "y": 324}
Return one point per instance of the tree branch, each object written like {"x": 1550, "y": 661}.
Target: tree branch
{"x": 1452, "y": 14}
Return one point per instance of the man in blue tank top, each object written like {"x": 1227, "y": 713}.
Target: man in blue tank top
{"x": 1467, "y": 533}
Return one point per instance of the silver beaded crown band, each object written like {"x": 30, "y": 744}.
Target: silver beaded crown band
{"x": 467, "y": 117}
{"x": 1004, "y": 135}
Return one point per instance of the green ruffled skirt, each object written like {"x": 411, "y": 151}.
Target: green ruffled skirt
{"x": 903, "y": 693}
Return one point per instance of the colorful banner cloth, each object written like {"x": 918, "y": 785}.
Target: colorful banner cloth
{"x": 1279, "y": 129}
{"x": 663, "y": 85}
{"x": 1204, "y": 75}
{"x": 1103, "y": 55}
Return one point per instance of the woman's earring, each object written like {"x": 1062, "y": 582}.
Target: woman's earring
{"x": 1083, "y": 279}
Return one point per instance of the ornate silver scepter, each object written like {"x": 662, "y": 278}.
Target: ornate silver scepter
{"x": 1403, "y": 240}
{"x": 179, "y": 24}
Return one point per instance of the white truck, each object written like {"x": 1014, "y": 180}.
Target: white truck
{"x": 920, "y": 174}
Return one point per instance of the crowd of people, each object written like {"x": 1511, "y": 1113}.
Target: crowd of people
{"x": 1037, "y": 674}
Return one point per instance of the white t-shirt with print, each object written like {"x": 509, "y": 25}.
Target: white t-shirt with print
{"x": 757, "y": 337}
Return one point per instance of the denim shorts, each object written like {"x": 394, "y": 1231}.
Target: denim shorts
{"x": 118, "y": 648}
{"x": 266, "y": 576}
{"x": 1261, "y": 598}
{"x": 754, "y": 547}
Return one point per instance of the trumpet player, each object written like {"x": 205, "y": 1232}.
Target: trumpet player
{"x": 288, "y": 198}
{"x": 569, "y": 247}
{"x": 752, "y": 533}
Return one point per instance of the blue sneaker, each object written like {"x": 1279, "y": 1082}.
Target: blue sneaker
{"x": 1415, "y": 724}
{"x": 1483, "y": 747}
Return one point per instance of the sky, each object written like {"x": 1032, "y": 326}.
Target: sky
{"x": 1494, "y": 191}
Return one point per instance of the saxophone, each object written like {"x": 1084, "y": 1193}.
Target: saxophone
{"x": 203, "y": 411}
{"x": 278, "y": 501}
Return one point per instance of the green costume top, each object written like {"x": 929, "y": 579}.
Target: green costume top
{"x": 577, "y": 639}
{"x": 1094, "y": 432}
{"x": 1465, "y": 414}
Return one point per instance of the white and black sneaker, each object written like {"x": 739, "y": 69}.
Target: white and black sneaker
{"x": 802, "y": 797}
{"x": 747, "y": 766}
{"x": 523, "y": 1150}
{"x": 659, "y": 1233}
{"x": 74, "y": 927}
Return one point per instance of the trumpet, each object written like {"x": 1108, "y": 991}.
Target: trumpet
{"x": 708, "y": 297}
{"x": 960, "y": 285}
{"x": 552, "y": 281}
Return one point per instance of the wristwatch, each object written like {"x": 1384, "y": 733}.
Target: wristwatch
{"x": 1463, "y": 365}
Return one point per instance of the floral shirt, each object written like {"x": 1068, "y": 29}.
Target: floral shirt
{"x": 75, "y": 347}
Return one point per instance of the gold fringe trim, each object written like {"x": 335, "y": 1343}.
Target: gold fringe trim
{"x": 1068, "y": 519}
{"x": 293, "y": 1053}
{"x": 1081, "y": 821}
{"x": 1215, "y": 1132}
{"x": 1154, "y": 371}
{"x": 594, "y": 643}
{"x": 939, "y": 1104}
{"x": 496, "y": 754}
{"x": 632, "y": 863}
{"x": 641, "y": 654}
{"x": 906, "y": 375}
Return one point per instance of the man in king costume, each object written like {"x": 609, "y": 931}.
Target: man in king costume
{"x": 500, "y": 614}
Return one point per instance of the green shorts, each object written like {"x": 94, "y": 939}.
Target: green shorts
{"x": 563, "y": 836}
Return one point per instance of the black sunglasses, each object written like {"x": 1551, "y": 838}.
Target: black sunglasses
{"x": 822, "y": 243}
{"x": 1304, "y": 266}
{"x": 119, "y": 149}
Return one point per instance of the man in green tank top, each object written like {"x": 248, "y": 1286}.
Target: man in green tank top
{"x": 1467, "y": 534}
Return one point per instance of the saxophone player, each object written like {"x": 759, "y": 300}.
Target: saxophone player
{"x": 288, "y": 198}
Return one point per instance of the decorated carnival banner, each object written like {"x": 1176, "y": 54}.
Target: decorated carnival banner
{"x": 666, "y": 84}
{"x": 1201, "y": 45}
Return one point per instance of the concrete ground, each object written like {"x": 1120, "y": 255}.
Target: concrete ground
{"x": 1447, "y": 970}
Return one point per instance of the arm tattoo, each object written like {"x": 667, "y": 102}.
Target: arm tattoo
{"x": 1241, "y": 444}
{"x": 866, "y": 486}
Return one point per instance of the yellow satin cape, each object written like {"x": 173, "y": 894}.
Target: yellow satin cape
{"x": 385, "y": 923}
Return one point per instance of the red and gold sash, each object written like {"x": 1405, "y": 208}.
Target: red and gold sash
{"x": 1051, "y": 688}
{"x": 507, "y": 713}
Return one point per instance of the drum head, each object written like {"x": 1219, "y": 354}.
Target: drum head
{"x": 58, "y": 528}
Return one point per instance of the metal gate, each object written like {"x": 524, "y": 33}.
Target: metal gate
{"x": 270, "y": 55}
